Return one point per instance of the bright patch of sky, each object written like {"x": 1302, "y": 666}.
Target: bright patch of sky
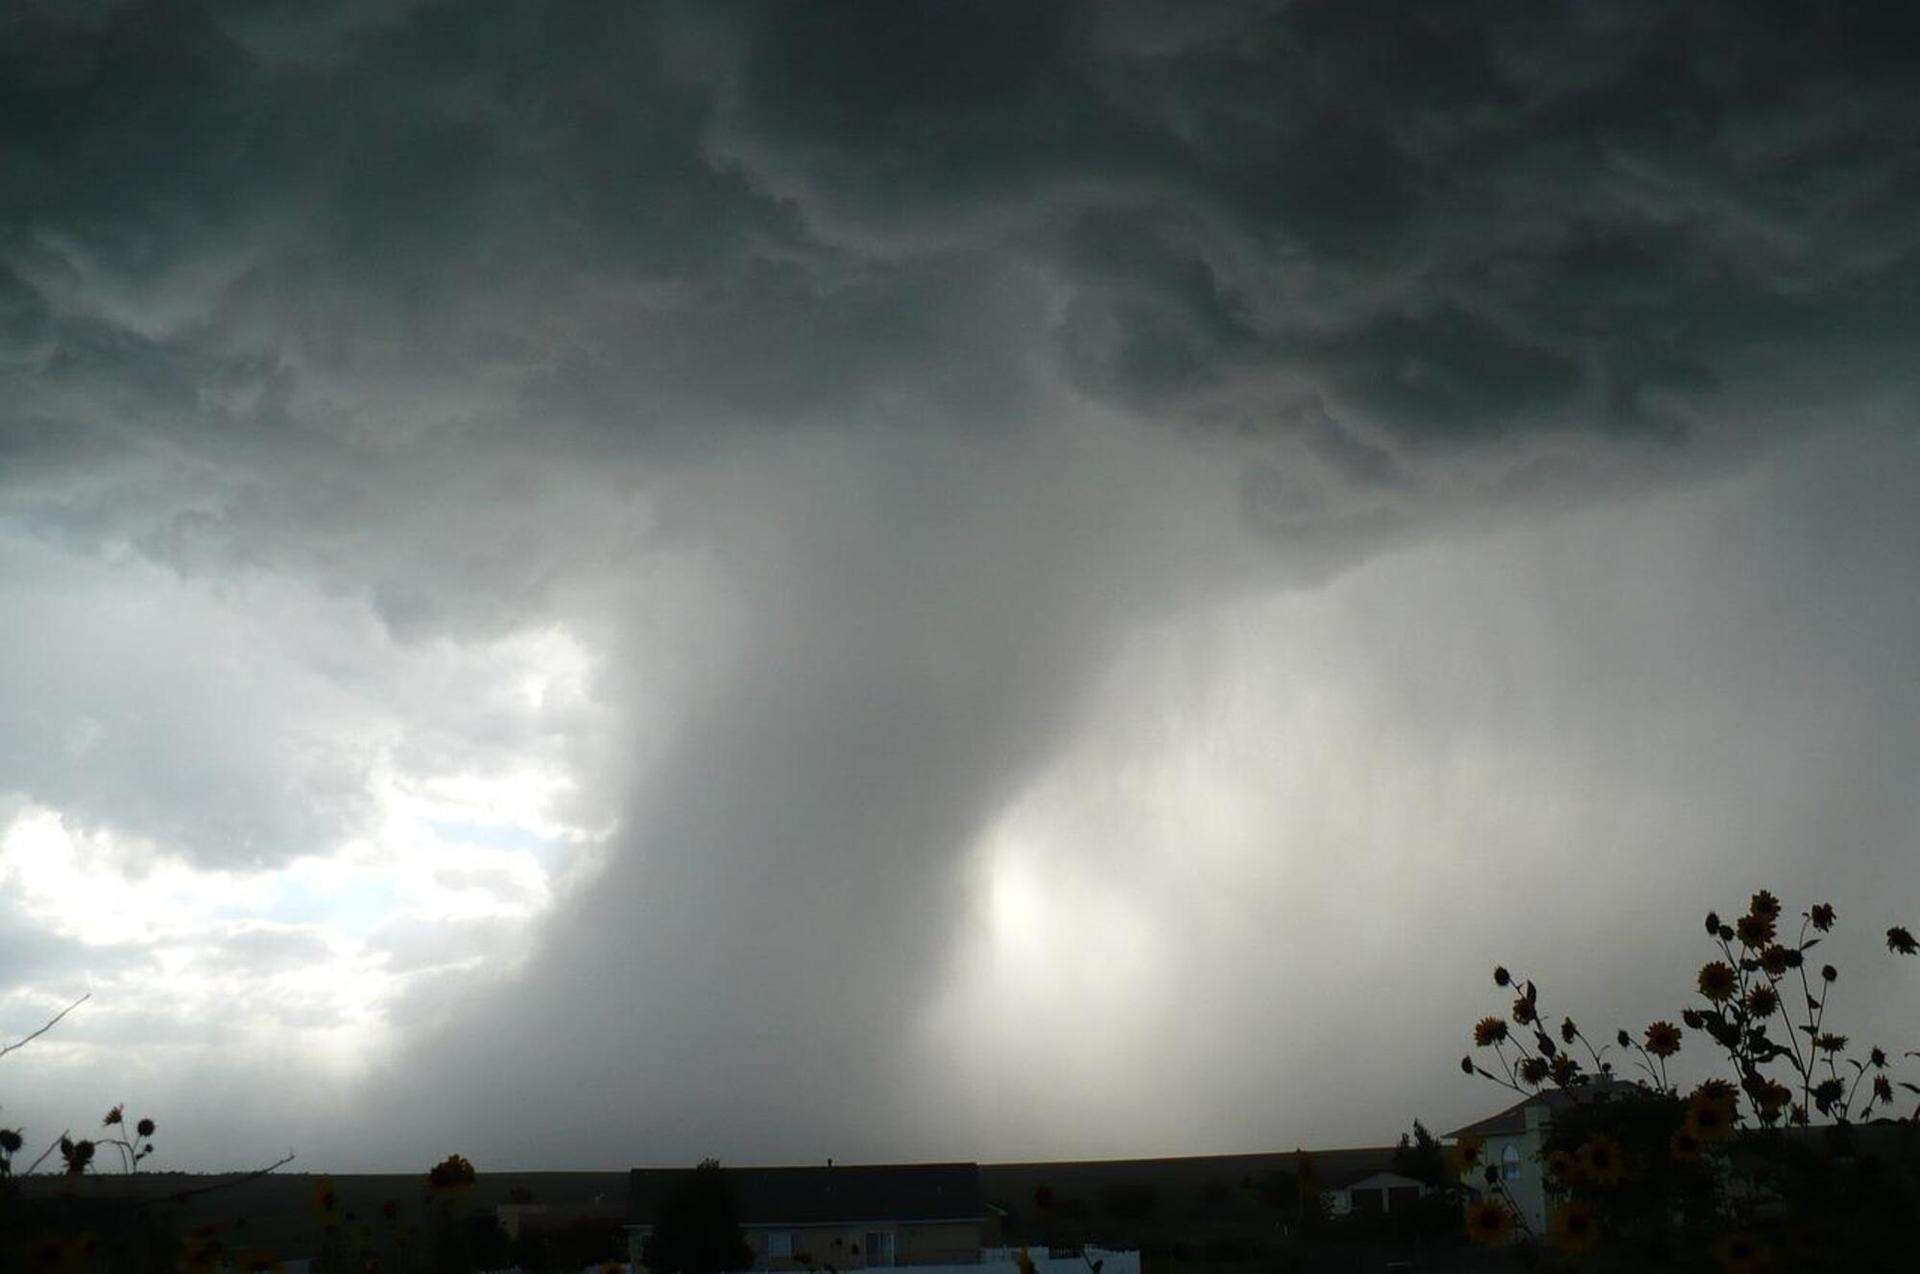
{"x": 453, "y": 816}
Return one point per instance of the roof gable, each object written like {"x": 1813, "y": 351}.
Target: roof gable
{"x": 1513, "y": 1119}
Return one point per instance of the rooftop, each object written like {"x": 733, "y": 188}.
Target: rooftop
{"x": 829, "y": 1195}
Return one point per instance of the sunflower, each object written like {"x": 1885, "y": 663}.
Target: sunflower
{"x": 1877, "y": 1057}
{"x": 1663, "y": 1039}
{"x": 1828, "y": 1042}
{"x": 1776, "y": 961}
{"x": 1720, "y": 1090}
{"x": 1489, "y": 1030}
{"x": 1762, "y": 1001}
{"x": 1739, "y": 1252}
{"x": 1771, "y": 1098}
{"x": 1523, "y": 1011}
{"x": 1533, "y": 1070}
{"x": 1602, "y": 1162}
{"x": 1563, "y": 1069}
{"x": 1900, "y": 941}
{"x": 1764, "y": 904}
{"x": 1709, "y": 1117}
{"x": 1718, "y": 981}
{"x": 1490, "y": 1223}
{"x": 1684, "y": 1145}
{"x": 1755, "y": 931}
{"x": 1822, "y": 916}
{"x": 1562, "y": 1167}
{"x": 1574, "y": 1229}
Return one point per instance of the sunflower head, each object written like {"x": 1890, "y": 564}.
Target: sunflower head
{"x": 1490, "y": 1222}
{"x": 1709, "y": 1119}
{"x": 1775, "y": 960}
{"x": 1754, "y": 931}
{"x": 1533, "y": 1070}
{"x": 1765, "y": 905}
{"x": 1900, "y": 941}
{"x": 1821, "y": 914}
{"x": 1574, "y": 1229}
{"x": 1684, "y": 1145}
{"x": 1762, "y": 1001}
{"x": 1663, "y": 1039}
{"x": 1489, "y": 1030}
{"x": 1602, "y": 1162}
{"x": 1718, "y": 981}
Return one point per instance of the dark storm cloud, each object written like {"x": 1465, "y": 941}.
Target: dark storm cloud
{"x": 854, "y": 379}
{"x": 1464, "y": 220}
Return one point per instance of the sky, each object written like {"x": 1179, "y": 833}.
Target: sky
{"x": 594, "y": 585}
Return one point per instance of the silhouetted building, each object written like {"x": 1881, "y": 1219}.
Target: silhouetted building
{"x": 852, "y": 1217}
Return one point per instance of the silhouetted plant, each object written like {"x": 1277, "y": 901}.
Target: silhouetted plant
{"x": 1770, "y": 1160}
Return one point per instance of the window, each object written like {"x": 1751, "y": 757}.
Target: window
{"x": 1510, "y": 1164}
{"x": 779, "y": 1245}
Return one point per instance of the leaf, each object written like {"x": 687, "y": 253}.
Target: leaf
{"x": 1909, "y": 1087}
{"x": 1810, "y": 944}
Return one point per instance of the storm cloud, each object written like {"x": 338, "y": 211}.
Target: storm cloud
{"x": 606, "y": 583}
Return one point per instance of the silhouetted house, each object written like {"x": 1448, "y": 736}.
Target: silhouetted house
{"x": 853, "y": 1217}
{"x": 1363, "y": 1180}
{"x": 1513, "y": 1140}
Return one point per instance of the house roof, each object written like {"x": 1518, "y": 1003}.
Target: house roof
{"x": 1513, "y": 1119}
{"x": 1338, "y": 1169}
{"x": 829, "y": 1195}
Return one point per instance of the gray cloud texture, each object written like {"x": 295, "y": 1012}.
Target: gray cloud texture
{"x": 1122, "y": 552}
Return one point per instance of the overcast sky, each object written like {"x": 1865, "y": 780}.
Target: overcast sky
{"x": 596, "y": 584}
